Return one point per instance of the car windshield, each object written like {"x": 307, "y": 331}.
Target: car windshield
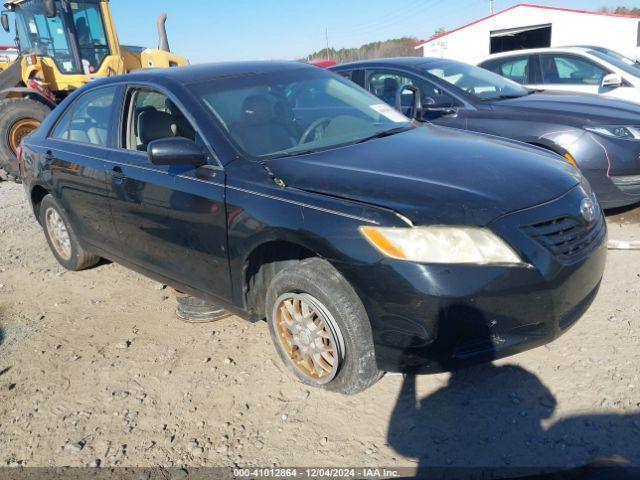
{"x": 478, "y": 82}
{"x": 53, "y": 37}
{"x": 618, "y": 60}
{"x": 296, "y": 111}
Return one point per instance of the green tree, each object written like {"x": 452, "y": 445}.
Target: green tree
{"x": 399, "y": 47}
{"x": 439, "y": 31}
{"x": 621, "y": 10}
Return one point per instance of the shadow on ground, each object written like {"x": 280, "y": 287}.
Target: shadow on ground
{"x": 627, "y": 215}
{"x": 499, "y": 419}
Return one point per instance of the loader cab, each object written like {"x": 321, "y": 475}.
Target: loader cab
{"x": 74, "y": 34}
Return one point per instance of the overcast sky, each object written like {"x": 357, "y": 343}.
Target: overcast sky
{"x": 214, "y": 30}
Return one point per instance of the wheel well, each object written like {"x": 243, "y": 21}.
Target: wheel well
{"x": 546, "y": 147}
{"x": 37, "y": 194}
{"x": 263, "y": 264}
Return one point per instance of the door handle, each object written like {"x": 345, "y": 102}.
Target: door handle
{"x": 206, "y": 172}
{"x": 117, "y": 173}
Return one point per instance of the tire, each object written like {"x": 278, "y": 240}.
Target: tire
{"x": 315, "y": 283}
{"x": 15, "y": 112}
{"x": 67, "y": 251}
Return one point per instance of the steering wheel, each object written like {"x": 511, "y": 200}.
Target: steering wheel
{"x": 312, "y": 129}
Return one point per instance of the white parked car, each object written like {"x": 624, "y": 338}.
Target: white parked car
{"x": 584, "y": 69}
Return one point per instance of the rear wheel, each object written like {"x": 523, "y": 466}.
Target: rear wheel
{"x": 320, "y": 328}
{"x": 62, "y": 239}
{"x": 19, "y": 117}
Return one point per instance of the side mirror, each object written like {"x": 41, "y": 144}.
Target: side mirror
{"x": 613, "y": 80}
{"x": 50, "y": 9}
{"x": 176, "y": 151}
{"x": 416, "y": 104}
{"x": 5, "y": 22}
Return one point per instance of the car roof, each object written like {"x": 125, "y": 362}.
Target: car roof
{"x": 205, "y": 72}
{"x": 416, "y": 62}
{"x": 513, "y": 53}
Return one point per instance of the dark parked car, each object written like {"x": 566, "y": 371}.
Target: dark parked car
{"x": 600, "y": 135}
{"x": 284, "y": 191}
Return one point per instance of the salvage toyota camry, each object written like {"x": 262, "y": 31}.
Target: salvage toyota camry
{"x": 283, "y": 191}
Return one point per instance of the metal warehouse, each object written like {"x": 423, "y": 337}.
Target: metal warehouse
{"x": 534, "y": 26}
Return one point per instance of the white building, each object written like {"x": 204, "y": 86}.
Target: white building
{"x": 535, "y": 26}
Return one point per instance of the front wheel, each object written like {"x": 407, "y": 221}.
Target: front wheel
{"x": 19, "y": 117}
{"x": 62, "y": 239}
{"x": 320, "y": 328}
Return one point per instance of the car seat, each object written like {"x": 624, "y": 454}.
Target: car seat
{"x": 257, "y": 132}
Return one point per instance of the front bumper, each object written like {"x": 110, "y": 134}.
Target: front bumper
{"x": 432, "y": 318}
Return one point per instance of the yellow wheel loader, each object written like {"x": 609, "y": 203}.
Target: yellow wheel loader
{"x": 63, "y": 45}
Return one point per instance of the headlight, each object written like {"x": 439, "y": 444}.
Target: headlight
{"x": 617, "y": 131}
{"x": 442, "y": 244}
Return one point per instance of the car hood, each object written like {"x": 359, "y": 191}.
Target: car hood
{"x": 434, "y": 175}
{"x": 588, "y": 109}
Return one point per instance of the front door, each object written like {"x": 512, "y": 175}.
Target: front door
{"x": 385, "y": 83}
{"x": 570, "y": 73}
{"x": 170, "y": 221}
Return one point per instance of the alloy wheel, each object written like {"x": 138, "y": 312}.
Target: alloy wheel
{"x": 309, "y": 336}
{"x": 58, "y": 233}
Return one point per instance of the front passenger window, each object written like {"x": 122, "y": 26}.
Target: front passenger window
{"x": 385, "y": 85}
{"x": 571, "y": 70}
{"x": 88, "y": 120}
{"x": 154, "y": 116}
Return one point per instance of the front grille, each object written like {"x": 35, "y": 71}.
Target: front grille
{"x": 568, "y": 238}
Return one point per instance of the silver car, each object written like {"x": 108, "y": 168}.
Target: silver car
{"x": 584, "y": 69}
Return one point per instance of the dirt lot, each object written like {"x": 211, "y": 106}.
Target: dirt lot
{"x": 95, "y": 369}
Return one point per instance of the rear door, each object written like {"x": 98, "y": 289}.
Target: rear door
{"x": 77, "y": 161}
{"x": 519, "y": 69}
{"x": 170, "y": 221}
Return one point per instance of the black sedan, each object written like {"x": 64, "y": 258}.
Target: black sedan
{"x": 599, "y": 135}
{"x": 283, "y": 191}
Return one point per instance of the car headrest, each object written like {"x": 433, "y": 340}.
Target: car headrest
{"x": 172, "y": 108}
{"x": 391, "y": 85}
{"x": 154, "y": 125}
{"x": 256, "y": 109}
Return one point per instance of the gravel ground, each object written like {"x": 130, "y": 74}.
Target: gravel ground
{"x": 95, "y": 369}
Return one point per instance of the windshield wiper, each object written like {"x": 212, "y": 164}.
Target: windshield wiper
{"x": 504, "y": 97}
{"x": 291, "y": 154}
{"x": 385, "y": 133}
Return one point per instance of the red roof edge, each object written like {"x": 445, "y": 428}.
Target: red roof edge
{"x": 529, "y": 5}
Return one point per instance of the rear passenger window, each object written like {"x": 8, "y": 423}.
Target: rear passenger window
{"x": 516, "y": 68}
{"x": 88, "y": 120}
{"x": 153, "y": 116}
